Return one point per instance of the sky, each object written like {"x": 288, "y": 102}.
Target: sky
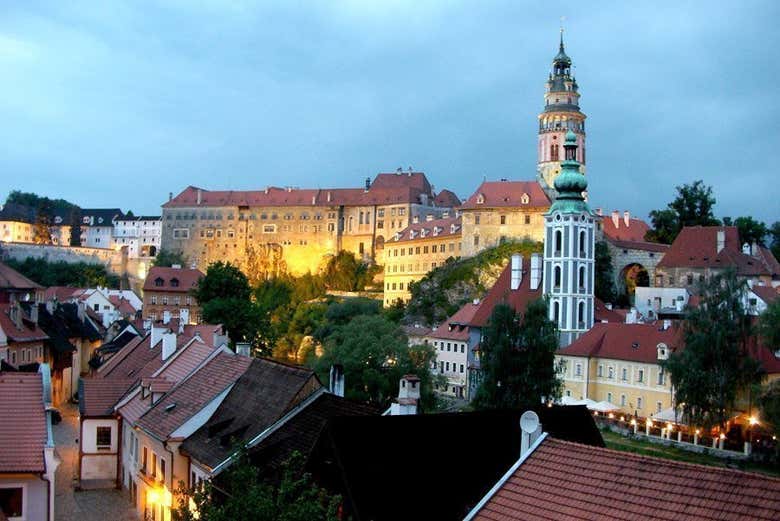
{"x": 116, "y": 104}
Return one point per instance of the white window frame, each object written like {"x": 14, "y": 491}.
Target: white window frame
{"x": 23, "y": 486}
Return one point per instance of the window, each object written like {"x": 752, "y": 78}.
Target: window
{"x": 144, "y": 460}
{"x": 558, "y": 241}
{"x": 269, "y": 228}
{"x": 476, "y": 219}
{"x": 461, "y": 368}
{"x": 611, "y": 373}
{"x": 690, "y": 278}
{"x": 154, "y": 464}
{"x": 527, "y": 219}
{"x": 162, "y": 470}
{"x": 503, "y": 219}
{"x": 622, "y": 400}
{"x": 609, "y": 397}
{"x": 578, "y": 370}
{"x": 658, "y": 406}
{"x": 601, "y": 371}
{"x": 624, "y": 374}
{"x": 12, "y": 502}
{"x": 639, "y": 403}
{"x": 557, "y": 277}
{"x": 554, "y": 152}
{"x": 640, "y": 376}
{"x": 476, "y": 240}
{"x": 103, "y": 437}
{"x": 174, "y": 283}
{"x": 661, "y": 377}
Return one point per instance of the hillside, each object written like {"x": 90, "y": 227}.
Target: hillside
{"x": 445, "y": 289}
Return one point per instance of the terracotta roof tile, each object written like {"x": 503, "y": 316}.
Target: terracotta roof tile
{"x": 501, "y": 293}
{"x": 565, "y": 480}
{"x": 132, "y": 361}
{"x": 185, "y": 278}
{"x": 28, "y": 331}
{"x": 615, "y": 227}
{"x": 23, "y": 425}
{"x": 602, "y": 314}
{"x": 97, "y": 396}
{"x": 193, "y": 394}
{"x": 433, "y": 230}
{"x": 13, "y": 280}
{"x": 507, "y": 194}
{"x": 446, "y": 199}
{"x": 766, "y": 293}
{"x": 619, "y": 341}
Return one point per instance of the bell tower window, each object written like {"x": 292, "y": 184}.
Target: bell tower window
{"x": 554, "y": 152}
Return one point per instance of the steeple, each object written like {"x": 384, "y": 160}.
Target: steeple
{"x": 570, "y": 183}
{"x": 561, "y": 114}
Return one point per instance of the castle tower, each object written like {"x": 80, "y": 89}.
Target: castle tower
{"x": 569, "y": 246}
{"x": 561, "y": 114}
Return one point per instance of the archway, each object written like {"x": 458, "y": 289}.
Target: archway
{"x": 632, "y": 276}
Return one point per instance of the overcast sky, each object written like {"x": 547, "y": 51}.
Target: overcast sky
{"x": 116, "y": 104}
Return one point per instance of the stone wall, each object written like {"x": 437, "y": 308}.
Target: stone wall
{"x": 624, "y": 257}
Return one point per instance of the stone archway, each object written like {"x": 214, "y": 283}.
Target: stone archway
{"x": 631, "y": 276}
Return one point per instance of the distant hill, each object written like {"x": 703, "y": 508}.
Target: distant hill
{"x": 445, "y": 289}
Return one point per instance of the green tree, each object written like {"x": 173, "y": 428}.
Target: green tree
{"x": 345, "y": 272}
{"x": 693, "y": 206}
{"x": 375, "y": 355}
{"x": 167, "y": 258}
{"x": 225, "y": 298}
{"x": 769, "y": 326}
{"x": 518, "y": 359}
{"x": 774, "y": 234}
{"x": 74, "y": 218}
{"x": 605, "y": 276}
{"x": 61, "y": 273}
{"x": 43, "y": 221}
{"x": 769, "y": 402}
{"x": 715, "y": 364}
{"x": 295, "y": 498}
{"x": 751, "y": 231}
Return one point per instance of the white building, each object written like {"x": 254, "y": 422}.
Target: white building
{"x": 649, "y": 302}
{"x": 141, "y": 235}
{"x": 97, "y": 227}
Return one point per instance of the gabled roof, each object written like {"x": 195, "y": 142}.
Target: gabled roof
{"x": 15, "y": 212}
{"x": 697, "y": 247}
{"x": 135, "y": 360}
{"x": 100, "y": 216}
{"x": 616, "y": 228}
{"x": 766, "y": 293}
{"x": 640, "y": 245}
{"x": 28, "y": 331}
{"x": 63, "y": 293}
{"x": 619, "y": 341}
{"x": 187, "y": 279}
{"x": 194, "y": 393}
{"x": 261, "y": 396}
{"x": 602, "y": 314}
{"x": 97, "y": 396}
{"x": 501, "y": 293}
{"x": 365, "y": 458}
{"x": 122, "y": 305}
{"x": 507, "y": 194}
{"x": 434, "y": 229}
{"x": 456, "y": 327}
{"x": 10, "y": 279}
{"x": 63, "y": 324}
{"x": 446, "y": 199}
{"x": 23, "y": 431}
{"x": 564, "y": 480}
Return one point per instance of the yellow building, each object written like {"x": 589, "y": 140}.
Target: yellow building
{"x": 501, "y": 210}
{"x": 620, "y": 363}
{"x": 415, "y": 251}
{"x": 294, "y": 230}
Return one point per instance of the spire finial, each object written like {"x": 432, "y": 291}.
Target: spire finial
{"x": 562, "y": 19}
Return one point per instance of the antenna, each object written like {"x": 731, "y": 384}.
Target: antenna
{"x": 529, "y": 422}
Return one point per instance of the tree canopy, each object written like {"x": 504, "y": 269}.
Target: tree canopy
{"x": 715, "y": 363}
{"x": 345, "y": 272}
{"x": 225, "y": 298}
{"x": 605, "y": 276}
{"x": 61, "y": 273}
{"x": 693, "y": 206}
{"x": 167, "y": 258}
{"x": 517, "y": 359}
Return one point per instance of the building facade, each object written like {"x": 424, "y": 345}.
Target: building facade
{"x": 141, "y": 235}
{"x": 569, "y": 250}
{"x": 97, "y": 226}
{"x": 561, "y": 114}
{"x": 415, "y": 251}
{"x": 168, "y": 295}
{"x": 292, "y": 230}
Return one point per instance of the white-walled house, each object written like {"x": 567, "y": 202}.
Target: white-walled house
{"x": 649, "y": 302}
{"x": 140, "y": 235}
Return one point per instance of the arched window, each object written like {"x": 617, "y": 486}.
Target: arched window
{"x": 557, "y": 278}
{"x": 581, "y": 313}
{"x": 582, "y": 278}
{"x": 558, "y": 242}
{"x": 583, "y": 246}
{"x": 554, "y": 152}
{"x": 556, "y": 311}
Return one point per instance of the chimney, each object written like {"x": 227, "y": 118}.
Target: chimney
{"x": 721, "y": 240}
{"x": 157, "y": 333}
{"x": 313, "y": 200}
{"x": 679, "y": 305}
{"x": 517, "y": 271}
{"x": 536, "y": 271}
{"x": 368, "y": 183}
{"x": 337, "y": 380}
{"x": 530, "y": 430}
{"x": 615, "y": 218}
{"x": 754, "y": 249}
{"x": 243, "y": 348}
{"x": 184, "y": 318}
{"x": 408, "y": 396}
{"x": 631, "y": 316}
{"x": 50, "y": 306}
{"x": 328, "y": 196}
{"x": 626, "y": 218}
{"x": 429, "y": 217}
{"x": 170, "y": 196}
{"x": 667, "y": 324}
{"x": 34, "y": 313}
{"x": 416, "y": 219}
{"x": 166, "y": 317}
{"x": 599, "y": 211}
{"x": 80, "y": 310}
{"x": 168, "y": 345}
{"x": 200, "y": 195}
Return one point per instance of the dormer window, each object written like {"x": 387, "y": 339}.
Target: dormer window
{"x": 174, "y": 283}
{"x": 663, "y": 351}
{"x": 159, "y": 282}
{"x": 423, "y": 232}
{"x": 481, "y": 199}
{"x": 413, "y": 234}
{"x": 524, "y": 199}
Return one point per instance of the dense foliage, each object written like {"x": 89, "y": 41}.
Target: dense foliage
{"x": 715, "y": 363}
{"x": 693, "y": 206}
{"x": 295, "y": 498}
{"x": 605, "y": 275}
{"x": 167, "y": 258}
{"x": 225, "y": 298}
{"x": 61, "y": 273}
{"x": 345, "y": 272}
{"x": 445, "y": 289}
{"x": 517, "y": 357}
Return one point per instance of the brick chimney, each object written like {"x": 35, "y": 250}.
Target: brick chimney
{"x": 168, "y": 345}
{"x": 615, "y": 218}
{"x": 536, "y": 271}
{"x": 721, "y": 240}
{"x": 200, "y": 196}
{"x": 517, "y": 271}
{"x": 627, "y": 218}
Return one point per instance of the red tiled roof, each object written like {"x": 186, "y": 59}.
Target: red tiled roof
{"x": 193, "y": 394}
{"x": 507, "y": 194}
{"x": 207, "y": 332}
{"x": 455, "y": 327}
{"x": 62, "y": 293}
{"x": 29, "y": 330}
{"x": 602, "y": 314}
{"x": 696, "y": 247}
{"x": 13, "y": 280}
{"x": 434, "y": 229}
{"x": 187, "y": 278}
{"x": 446, "y": 199}
{"x": 640, "y": 245}
{"x": 129, "y": 360}
{"x": 23, "y": 425}
{"x": 501, "y": 294}
{"x": 766, "y": 293}
{"x": 565, "y": 480}
{"x": 97, "y": 396}
{"x": 122, "y": 305}
{"x": 618, "y": 341}
{"x": 616, "y": 228}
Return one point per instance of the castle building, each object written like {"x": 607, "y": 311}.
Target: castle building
{"x": 292, "y": 230}
{"x": 561, "y": 114}
{"x": 569, "y": 250}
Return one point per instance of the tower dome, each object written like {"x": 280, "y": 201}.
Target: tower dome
{"x": 570, "y": 183}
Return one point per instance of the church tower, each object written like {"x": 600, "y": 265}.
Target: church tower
{"x": 569, "y": 248}
{"x": 561, "y": 114}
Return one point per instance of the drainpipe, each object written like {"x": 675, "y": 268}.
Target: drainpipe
{"x": 48, "y": 495}
{"x": 587, "y": 376}
{"x": 119, "y": 437}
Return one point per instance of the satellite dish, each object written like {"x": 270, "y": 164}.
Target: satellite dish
{"x": 529, "y": 422}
